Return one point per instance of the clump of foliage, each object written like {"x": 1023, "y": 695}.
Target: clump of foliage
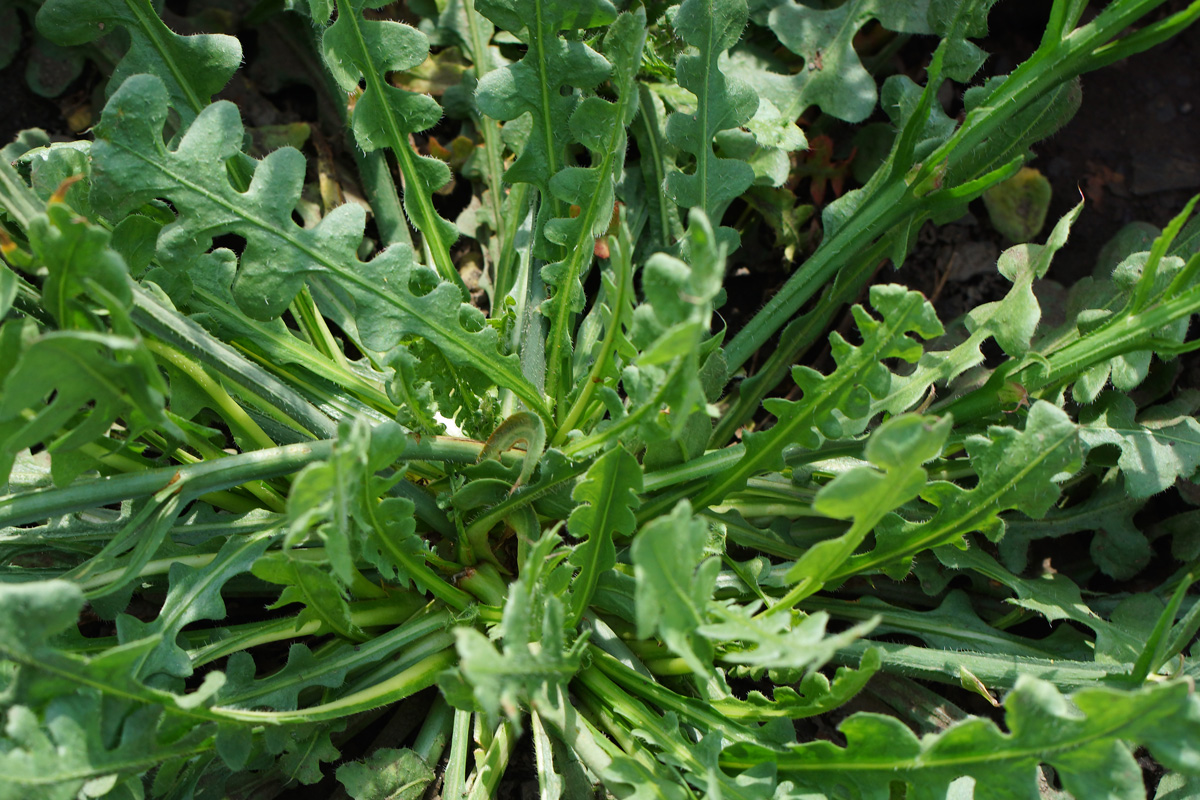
{"x": 515, "y": 455}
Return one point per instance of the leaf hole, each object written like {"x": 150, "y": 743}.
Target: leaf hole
{"x": 582, "y": 156}
{"x": 230, "y": 241}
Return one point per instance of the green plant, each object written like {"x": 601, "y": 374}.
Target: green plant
{"x": 188, "y": 432}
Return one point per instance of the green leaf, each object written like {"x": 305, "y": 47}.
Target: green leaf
{"x": 195, "y": 594}
{"x": 532, "y": 661}
{"x": 1086, "y": 738}
{"x": 1157, "y": 448}
{"x": 67, "y": 387}
{"x": 600, "y": 126}
{"x": 955, "y": 625}
{"x": 839, "y": 404}
{"x": 722, "y": 103}
{"x": 76, "y": 384}
{"x": 51, "y": 68}
{"x": 658, "y": 159}
{"x": 193, "y": 68}
{"x": 354, "y": 49}
{"x": 639, "y": 779}
{"x": 1014, "y": 133}
{"x": 1055, "y": 597}
{"x": 1177, "y": 786}
{"x": 1011, "y": 322}
{"x": 607, "y": 496}
{"x": 132, "y": 165}
{"x": 776, "y": 641}
{"x": 534, "y": 85}
{"x": 280, "y": 690}
{"x": 956, "y": 20}
{"x": 1016, "y": 469}
{"x": 675, "y": 581}
{"x": 34, "y": 612}
{"x": 833, "y": 77}
{"x": 386, "y": 774}
{"x": 305, "y": 748}
{"x": 898, "y": 448}
{"x": 664, "y": 382}
{"x": 323, "y": 597}
{"x": 814, "y": 695}
{"x": 1118, "y": 547}
{"x": 66, "y": 754}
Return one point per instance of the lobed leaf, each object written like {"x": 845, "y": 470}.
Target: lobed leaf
{"x": 1157, "y": 448}
{"x": 1086, "y": 738}
{"x": 722, "y": 103}
{"x": 675, "y": 580}
{"x": 1011, "y": 322}
{"x": 833, "y": 76}
{"x": 601, "y": 127}
{"x": 386, "y": 774}
{"x": 66, "y": 387}
{"x": 324, "y": 599}
{"x": 606, "y": 496}
{"x": 839, "y": 404}
{"x": 534, "y": 84}
{"x": 776, "y": 641}
{"x": 898, "y": 447}
{"x": 1118, "y": 547}
{"x": 535, "y": 659}
{"x": 1016, "y": 469}
{"x": 358, "y": 49}
{"x": 132, "y": 165}
{"x": 194, "y": 594}
{"x": 66, "y": 754}
{"x": 192, "y": 68}
{"x": 814, "y": 695}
